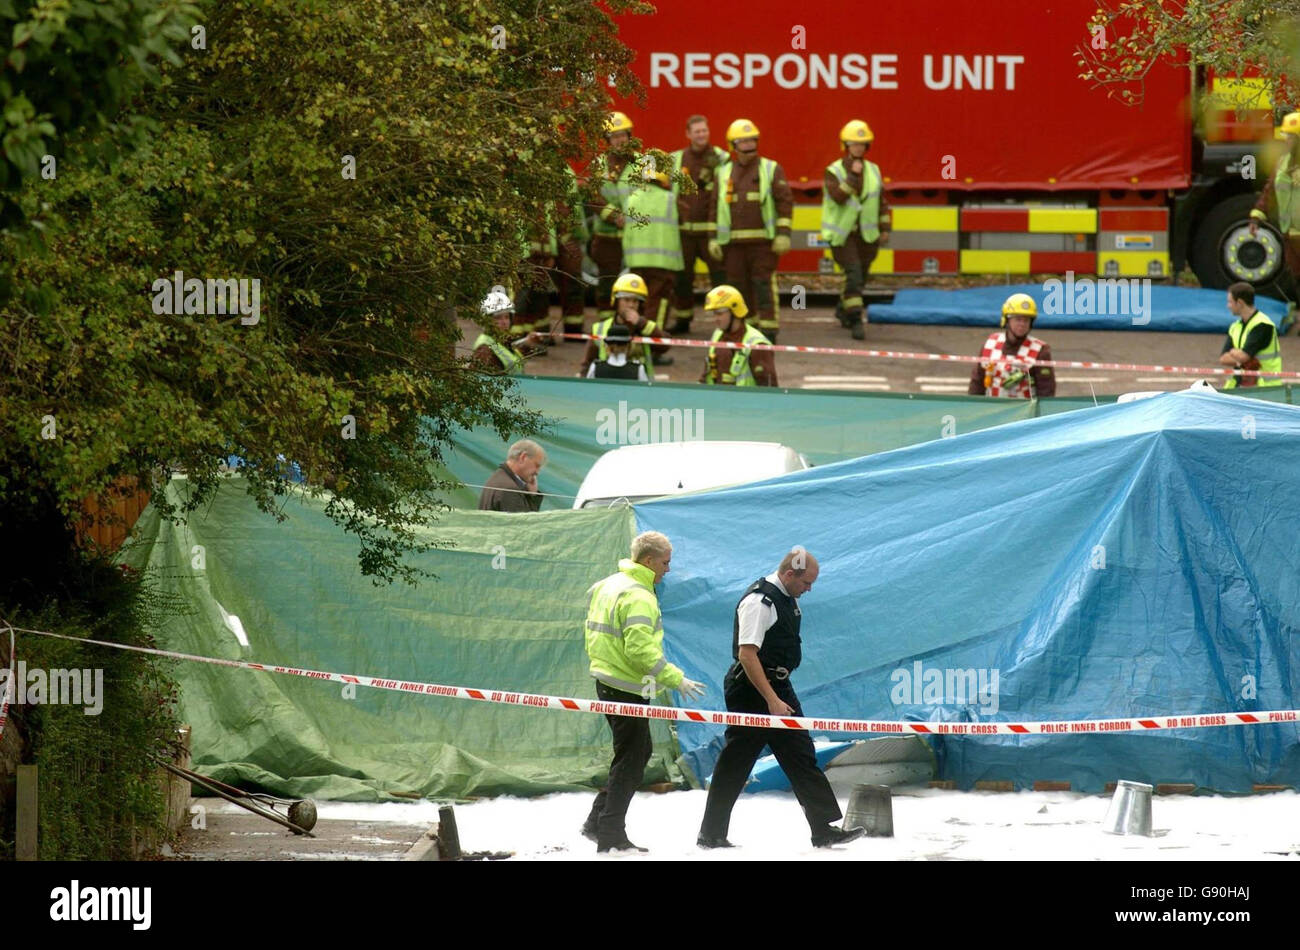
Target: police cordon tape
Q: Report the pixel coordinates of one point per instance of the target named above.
(948, 357)
(724, 718)
(9, 685)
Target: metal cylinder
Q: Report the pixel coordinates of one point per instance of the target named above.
(871, 809)
(1130, 810)
(303, 814)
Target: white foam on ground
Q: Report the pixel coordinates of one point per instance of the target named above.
(929, 824)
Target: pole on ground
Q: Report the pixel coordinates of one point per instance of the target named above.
(448, 836)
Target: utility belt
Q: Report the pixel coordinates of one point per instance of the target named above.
(777, 673)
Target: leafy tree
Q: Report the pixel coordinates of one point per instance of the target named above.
(1256, 38)
(70, 64)
(372, 164)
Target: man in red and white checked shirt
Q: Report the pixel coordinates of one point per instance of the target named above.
(1024, 378)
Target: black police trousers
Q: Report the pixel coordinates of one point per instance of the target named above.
(793, 750)
(631, 753)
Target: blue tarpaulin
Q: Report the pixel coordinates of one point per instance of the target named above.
(1127, 560)
(1076, 304)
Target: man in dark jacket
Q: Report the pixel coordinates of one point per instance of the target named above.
(766, 645)
(513, 486)
(618, 340)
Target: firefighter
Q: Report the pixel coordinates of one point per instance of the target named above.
(1280, 200)
(491, 354)
(855, 219)
(753, 209)
(618, 340)
(695, 218)
(989, 377)
(611, 173)
(629, 296)
(569, 283)
(535, 280)
(738, 367)
(652, 246)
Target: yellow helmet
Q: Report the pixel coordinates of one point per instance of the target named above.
(629, 285)
(741, 129)
(856, 131)
(1019, 305)
(617, 122)
(724, 296)
(1290, 124)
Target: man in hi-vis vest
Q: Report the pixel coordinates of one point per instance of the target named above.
(855, 219)
(652, 246)
(743, 366)
(1252, 341)
(610, 175)
(490, 353)
(1280, 200)
(696, 215)
(625, 641)
(992, 376)
(753, 224)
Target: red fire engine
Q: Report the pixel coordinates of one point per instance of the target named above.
(997, 158)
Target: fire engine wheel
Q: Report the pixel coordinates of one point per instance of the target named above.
(1224, 251)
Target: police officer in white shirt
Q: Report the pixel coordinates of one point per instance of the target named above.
(766, 645)
(617, 365)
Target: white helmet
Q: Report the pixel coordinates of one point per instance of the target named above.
(495, 302)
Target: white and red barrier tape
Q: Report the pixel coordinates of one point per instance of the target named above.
(723, 718)
(950, 358)
(8, 687)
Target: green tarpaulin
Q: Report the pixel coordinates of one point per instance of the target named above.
(589, 417)
(505, 613)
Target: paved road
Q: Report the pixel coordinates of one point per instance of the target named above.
(816, 326)
(230, 833)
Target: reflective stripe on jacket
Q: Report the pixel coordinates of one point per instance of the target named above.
(601, 329)
(511, 361)
(657, 242)
(615, 191)
(739, 372)
(1270, 358)
(625, 632)
(720, 159)
(766, 172)
(1286, 192)
(862, 209)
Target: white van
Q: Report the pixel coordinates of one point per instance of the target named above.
(640, 472)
